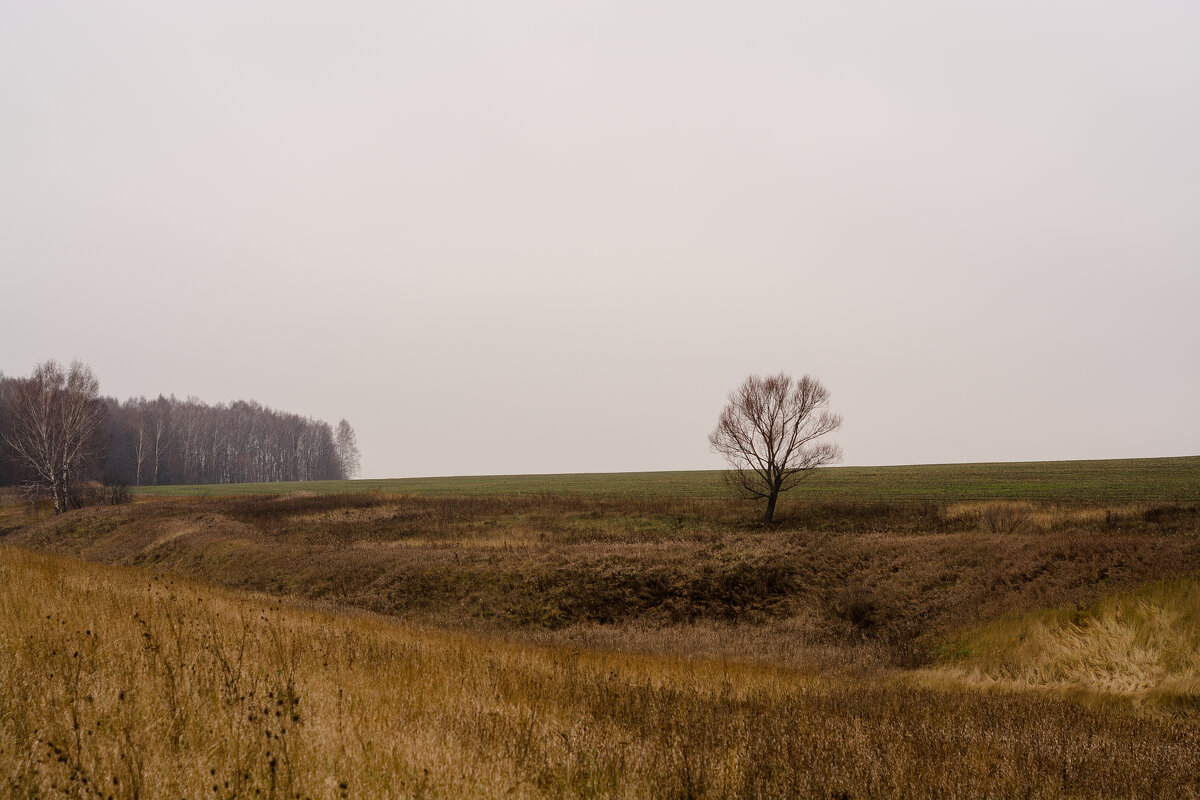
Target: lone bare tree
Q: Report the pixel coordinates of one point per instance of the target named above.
(767, 434)
(54, 425)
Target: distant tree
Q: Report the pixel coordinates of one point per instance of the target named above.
(141, 442)
(8, 469)
(168, 440)
(767, 433)
(346, 445)
(53, 427)
(161, 432)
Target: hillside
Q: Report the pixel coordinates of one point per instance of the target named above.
(1143, 644)
(124, 685)
(885, 580)
(961, 631)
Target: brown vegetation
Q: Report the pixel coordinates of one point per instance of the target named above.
(1143, 644)
(887, 580)
(121, 685)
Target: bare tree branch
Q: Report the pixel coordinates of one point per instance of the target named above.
(767, 431)
(346, 446)
(56, 418)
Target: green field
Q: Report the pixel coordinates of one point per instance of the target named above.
(1130, 480)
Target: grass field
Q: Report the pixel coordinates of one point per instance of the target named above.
(1151, 479)
(959, 631)
(119, 684)
(883, 580)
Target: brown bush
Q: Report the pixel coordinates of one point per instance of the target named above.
(857, 606)
(1006, 518)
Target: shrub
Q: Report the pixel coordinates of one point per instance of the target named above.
(857, 606)
(116, 492)
(1006, 518)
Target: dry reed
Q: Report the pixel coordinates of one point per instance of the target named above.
(120, 684)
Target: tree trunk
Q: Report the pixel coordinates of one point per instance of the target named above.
(60, 501)
(64, 489)
(139, 453)
(770, 515)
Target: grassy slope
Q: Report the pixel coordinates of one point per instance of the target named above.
(1151, 479)
(117, 684)
(1143, 643)
(886, 580)
(868, 568)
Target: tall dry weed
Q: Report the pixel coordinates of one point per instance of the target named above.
(125, 685)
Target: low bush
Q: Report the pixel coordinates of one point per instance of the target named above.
(1006, 518)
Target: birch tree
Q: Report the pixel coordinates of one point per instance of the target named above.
(160, 433)
(140, 442)
(346, 446)
(55, 418)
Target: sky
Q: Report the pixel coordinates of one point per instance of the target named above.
(530, 237)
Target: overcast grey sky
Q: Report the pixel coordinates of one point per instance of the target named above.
(551, 236)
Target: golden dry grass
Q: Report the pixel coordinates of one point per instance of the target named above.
(1143, 644)
(116, 683)
(1046, 516)
(835, 586)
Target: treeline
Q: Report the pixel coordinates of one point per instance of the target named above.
(168, 441)
(57, 431)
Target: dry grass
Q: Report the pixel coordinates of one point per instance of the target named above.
(991, 515)
(1144, 644)
(119, 684)
(884, 581)
(591, 646)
